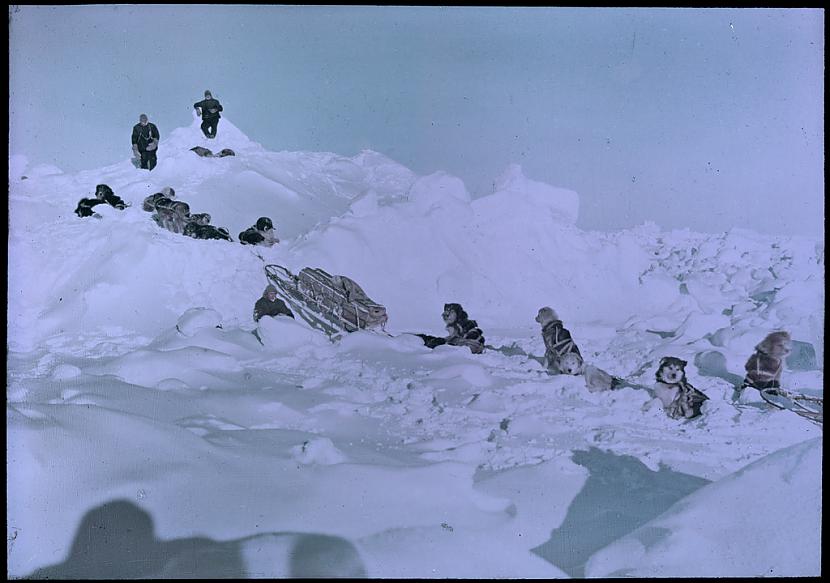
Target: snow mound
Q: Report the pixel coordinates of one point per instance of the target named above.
(319, 451)
(413, 243)
(65, 371)
(284, 334)
(436, 191)
(196, 319)
(514, 186)
(714, 531)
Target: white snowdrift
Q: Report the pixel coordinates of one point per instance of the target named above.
(135, 373)
(761, 521)
(412, 243)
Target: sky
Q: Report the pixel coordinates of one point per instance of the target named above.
(700, 118)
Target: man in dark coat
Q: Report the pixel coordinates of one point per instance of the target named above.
(270, 305)
(145, 142)
(209, 109)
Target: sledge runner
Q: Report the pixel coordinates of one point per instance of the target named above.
(145, 140)
(103, 195)
(808, 406)
(270, 305)
(557, 338)
(209, 109)
(262, 233)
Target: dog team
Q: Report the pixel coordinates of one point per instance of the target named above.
(677, 396)
(175, 216)
(679, 399)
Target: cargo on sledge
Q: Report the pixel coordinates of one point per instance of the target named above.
(330, 303)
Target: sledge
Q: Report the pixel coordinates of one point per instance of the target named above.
(316, 298)
(811, 408)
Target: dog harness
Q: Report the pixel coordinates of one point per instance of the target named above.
(563, 346)
(759, 374)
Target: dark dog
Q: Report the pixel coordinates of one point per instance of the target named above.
(152, 202)
(200, 218)
(677, 395)
(173, 218)
(103, 195)
(203, 152)
(262, 233)
(197, 231)
(462, 331)
(207, 153)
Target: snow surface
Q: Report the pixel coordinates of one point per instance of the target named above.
(138, 397)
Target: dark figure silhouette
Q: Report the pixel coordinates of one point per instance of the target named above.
(117, 541)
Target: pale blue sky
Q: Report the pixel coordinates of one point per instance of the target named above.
(699, 118)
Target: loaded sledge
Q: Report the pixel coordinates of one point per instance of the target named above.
(330, 303)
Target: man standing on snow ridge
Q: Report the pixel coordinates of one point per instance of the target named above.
(145, 142)
(209, 109)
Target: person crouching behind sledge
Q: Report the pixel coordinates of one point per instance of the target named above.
(764, 367)
(558, 341)
(262, 233)
(270, 305)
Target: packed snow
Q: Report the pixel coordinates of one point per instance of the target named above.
(140, 401)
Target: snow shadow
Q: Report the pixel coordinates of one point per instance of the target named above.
(712, 363)
(116, 541)
(620, 495)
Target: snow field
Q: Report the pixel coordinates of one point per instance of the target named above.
(135, 375)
